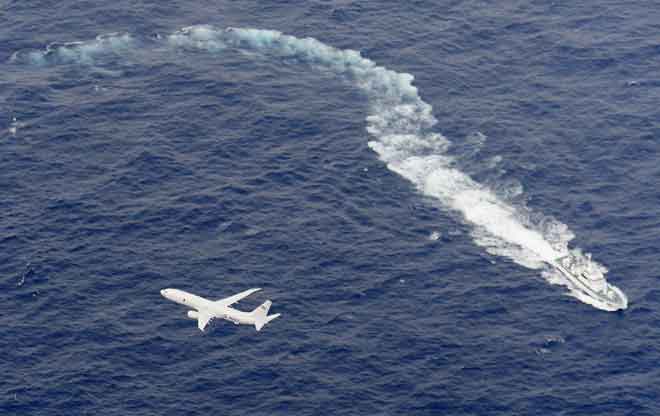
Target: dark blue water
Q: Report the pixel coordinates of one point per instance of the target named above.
(145, 165)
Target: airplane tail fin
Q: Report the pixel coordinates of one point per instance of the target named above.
(261, 316)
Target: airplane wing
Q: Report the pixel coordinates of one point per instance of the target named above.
(203, 319)
(233, 299)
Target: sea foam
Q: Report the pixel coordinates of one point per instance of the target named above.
(76, 52)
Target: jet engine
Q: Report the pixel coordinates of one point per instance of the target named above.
(193, 314)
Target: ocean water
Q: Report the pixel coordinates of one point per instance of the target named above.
(394, 176)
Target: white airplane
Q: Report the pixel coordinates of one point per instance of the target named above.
(205, 309)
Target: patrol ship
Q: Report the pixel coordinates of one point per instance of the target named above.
(590, 283)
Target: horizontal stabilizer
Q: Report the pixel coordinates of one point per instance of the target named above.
(261, 316)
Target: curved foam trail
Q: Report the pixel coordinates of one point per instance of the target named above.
(400, 123)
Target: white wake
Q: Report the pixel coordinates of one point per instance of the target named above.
(399, 123)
